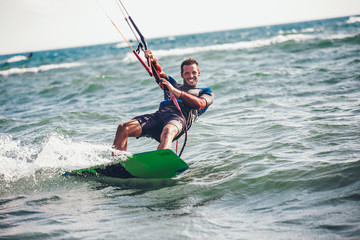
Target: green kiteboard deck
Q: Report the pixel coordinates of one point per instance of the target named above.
(154, 164)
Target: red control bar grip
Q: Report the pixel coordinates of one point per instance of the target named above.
(148, 69)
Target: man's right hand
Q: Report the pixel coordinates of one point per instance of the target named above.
(149, 54)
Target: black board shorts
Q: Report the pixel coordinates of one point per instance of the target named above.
(153, 124)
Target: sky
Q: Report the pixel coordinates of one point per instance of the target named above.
(35, 25)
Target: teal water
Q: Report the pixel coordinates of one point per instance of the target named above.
(277, 156)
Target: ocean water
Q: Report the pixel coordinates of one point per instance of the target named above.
(277, 156)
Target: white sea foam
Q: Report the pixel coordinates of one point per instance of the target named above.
(57, 152)
(121, 45)
(16, 59)
(42, 68)
(294, 31)
(227, 46)
(310, 30)
(353, 19)
(296, 37)
(341, 36)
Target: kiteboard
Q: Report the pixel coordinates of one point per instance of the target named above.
(154, 164)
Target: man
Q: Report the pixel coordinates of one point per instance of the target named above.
(168, 124)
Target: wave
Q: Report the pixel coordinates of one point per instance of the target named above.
(17, 59)
(121, 45)
(57, 152)
(42, 68)
(282, 37)
(294, 31)
(353, 19)
(227, 46)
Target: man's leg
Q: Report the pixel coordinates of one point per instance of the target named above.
(167, 136)
(131, 128)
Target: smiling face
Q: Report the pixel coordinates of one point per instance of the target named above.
(190, 75)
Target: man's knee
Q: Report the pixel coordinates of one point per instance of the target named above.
(123, 128)
(170, 130)
(131, 128)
